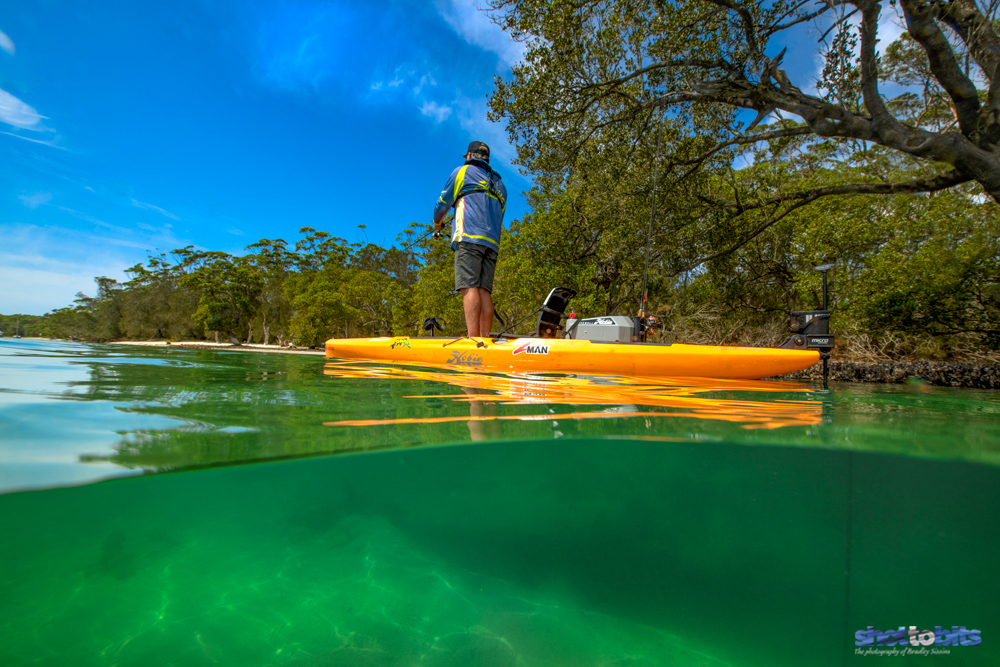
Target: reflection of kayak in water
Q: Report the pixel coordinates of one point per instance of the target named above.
(617, 396)
(579, 356)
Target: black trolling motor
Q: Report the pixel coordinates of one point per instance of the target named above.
(810, 329)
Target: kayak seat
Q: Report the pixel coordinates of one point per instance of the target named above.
(553, 311)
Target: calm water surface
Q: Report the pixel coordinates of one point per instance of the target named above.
(417, 516)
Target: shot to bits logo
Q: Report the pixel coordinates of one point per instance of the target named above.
(910, 636)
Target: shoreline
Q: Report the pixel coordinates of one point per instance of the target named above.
(208, 345)
(936, 373)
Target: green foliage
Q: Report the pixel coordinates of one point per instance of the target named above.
(433, 294)
(929, 265)
(274, 263)
(156, 304)
(26, 326)
(230, 290)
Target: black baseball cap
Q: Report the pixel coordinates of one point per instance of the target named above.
(480, 148)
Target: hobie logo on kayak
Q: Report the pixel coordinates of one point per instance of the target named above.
(465, 359)
(531, 347)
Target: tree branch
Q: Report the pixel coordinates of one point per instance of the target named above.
(869, 66)
(964, 17)
(704, 63)
(830, 120)
(752, 139)
(778, 27)
(749, 30)
(800, 199)
(836, 23)
(932, 184)
(945, 68)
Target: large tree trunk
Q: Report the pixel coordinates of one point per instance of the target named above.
(267, 330)
(233, 339)
(216, 337)
(249, 332)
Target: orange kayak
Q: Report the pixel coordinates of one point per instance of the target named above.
(559, 355)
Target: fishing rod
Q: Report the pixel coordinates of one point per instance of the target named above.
(652, 213)
(436, 235)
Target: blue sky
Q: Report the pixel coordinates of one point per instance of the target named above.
(128, 127)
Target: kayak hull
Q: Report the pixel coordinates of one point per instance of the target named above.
(578, 356)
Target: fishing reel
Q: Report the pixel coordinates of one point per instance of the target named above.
(438, 230)
(643, 327)
(652, 325)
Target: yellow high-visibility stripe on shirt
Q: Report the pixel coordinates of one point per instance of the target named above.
(485, 238)
(459, 181)
(486, 190)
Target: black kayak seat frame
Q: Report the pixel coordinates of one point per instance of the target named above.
(552, 312)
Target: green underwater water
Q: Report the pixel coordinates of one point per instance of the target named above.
(617, 541)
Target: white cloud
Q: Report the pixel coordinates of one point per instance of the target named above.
(36, 200)
(36, 141)
(476, 28)
(157, 209)
(471, 114)
(891, 27)
(235, 232)
(398, 78)
(88, 218)
(165, 229)
(15, 112)
(38, 291)
(425, 79)
(438, 112)
(160, 237)
(6, 43)
(43, 269)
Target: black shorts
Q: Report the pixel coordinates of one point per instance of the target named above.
(474, 266)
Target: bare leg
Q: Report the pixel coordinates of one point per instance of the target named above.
(482, 429)
(485, 312)
(472, 305)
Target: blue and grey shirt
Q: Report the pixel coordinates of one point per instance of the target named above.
(479, 198)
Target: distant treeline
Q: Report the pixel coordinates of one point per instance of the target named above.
(21, 325)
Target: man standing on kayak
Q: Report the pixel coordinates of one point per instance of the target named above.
(479, 198)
